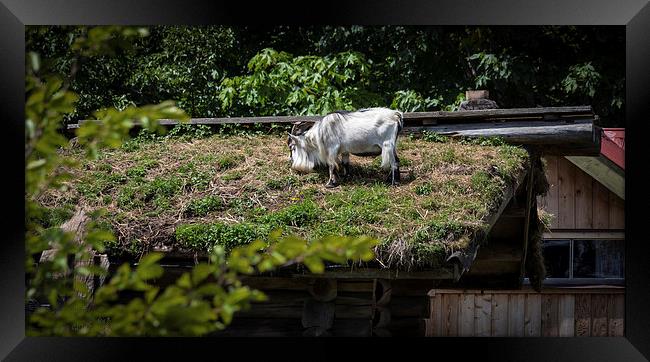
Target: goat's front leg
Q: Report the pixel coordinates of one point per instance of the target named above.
(333, 181)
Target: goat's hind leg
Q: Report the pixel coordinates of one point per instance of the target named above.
(345, 161)
(391, 162)
(395, 169)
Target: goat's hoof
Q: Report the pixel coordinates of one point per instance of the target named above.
(330, 185)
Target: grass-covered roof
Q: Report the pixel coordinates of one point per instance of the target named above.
(187, 194)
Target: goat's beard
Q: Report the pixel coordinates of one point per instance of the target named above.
(303, 161)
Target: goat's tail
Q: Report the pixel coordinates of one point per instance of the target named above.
(400, 121)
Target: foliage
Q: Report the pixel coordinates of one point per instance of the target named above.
(280, 83)
(201, 301)
(218, 71)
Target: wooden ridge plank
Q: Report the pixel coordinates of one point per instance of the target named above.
(548, 113)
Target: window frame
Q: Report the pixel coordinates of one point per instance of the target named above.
(572, 235)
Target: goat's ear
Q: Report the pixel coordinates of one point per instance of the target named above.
(295, 138)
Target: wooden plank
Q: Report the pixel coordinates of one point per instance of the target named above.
(551, 139)
(601, 206)
(614, 235)
(353, 308)
(566, 197)
(566, 315)
(450, 314)
(466, 315)
(271, 283)
(516, 309)
(375, 273)
(533, 315)
(499, 317)
(583, 200)
(355, 286)
(616, 212)
(583, 315)
(615, 315)
(527, 289)
(435, 319)
(482, 315)
(599, 315)
(503, 112)
(551, 200)
(550, 325)
(510, 113)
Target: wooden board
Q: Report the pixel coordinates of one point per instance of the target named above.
(583, 200)
(499, 320)
(583, 316)
(615, 315)
(516, 309)
(466, 315)
(435, 320)
(482, 315)
(616, 212)
(532, 315)
(599, 316)
(566, 315)
(450, 314)
(600, 206)
(550, 326)
(566, 197)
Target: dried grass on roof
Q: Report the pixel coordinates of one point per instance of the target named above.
(170, 194)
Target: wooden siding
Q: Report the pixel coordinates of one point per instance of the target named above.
(556, 312)
(578, 201)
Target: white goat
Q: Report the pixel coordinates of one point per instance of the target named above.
(366, 132)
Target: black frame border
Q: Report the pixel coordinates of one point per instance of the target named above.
(633, 14)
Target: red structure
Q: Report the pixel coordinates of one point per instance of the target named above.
(612, 145)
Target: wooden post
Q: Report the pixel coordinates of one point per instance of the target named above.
(381, 297)
(77, 225)
(316, 314)
(323, 290)
(529, 205)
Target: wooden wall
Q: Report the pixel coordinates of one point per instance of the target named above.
(559, 312)
(577, 200)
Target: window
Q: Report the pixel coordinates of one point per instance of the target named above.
(588, 260)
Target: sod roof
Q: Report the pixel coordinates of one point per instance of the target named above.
(178, 194)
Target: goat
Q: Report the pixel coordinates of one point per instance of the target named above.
(366, 132)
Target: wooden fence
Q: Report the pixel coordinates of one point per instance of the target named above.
(555, 312)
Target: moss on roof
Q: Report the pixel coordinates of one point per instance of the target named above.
(190, 194)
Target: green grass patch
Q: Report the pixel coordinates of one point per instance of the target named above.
(203, 206)
(205, 236)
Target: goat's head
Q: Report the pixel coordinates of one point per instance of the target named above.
(301, 159)
(298, 129)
